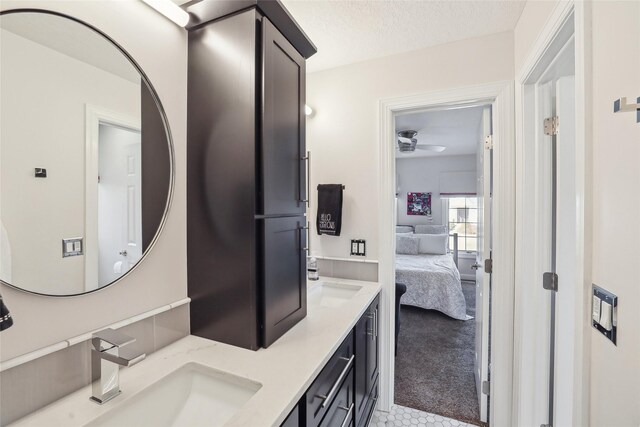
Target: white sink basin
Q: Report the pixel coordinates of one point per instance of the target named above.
(329, 294)
(192, 395)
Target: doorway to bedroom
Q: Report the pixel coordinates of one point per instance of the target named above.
(443, 237)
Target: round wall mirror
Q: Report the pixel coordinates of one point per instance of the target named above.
(86, 161)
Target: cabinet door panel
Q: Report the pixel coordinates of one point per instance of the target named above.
(293, 420)
(361, 347)
(372, 345)
(284, 287)
(283, 173)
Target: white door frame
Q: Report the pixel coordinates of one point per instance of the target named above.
(94, 116)
(574, 401)
(502, 96)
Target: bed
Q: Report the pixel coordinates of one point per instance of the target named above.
(433, 282)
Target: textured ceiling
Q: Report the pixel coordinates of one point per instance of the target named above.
(352, 31)
(457, 129)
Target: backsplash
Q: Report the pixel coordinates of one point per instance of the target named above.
(344, 269)
(35, 384)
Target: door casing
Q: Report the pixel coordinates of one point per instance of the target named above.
(501, 94)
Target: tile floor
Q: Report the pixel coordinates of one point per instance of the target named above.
(403, 416)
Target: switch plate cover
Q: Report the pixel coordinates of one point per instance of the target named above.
(607, 326)
(72, 247)
(358, 247)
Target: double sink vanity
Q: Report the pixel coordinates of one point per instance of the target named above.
(322, 372)
(265, 348)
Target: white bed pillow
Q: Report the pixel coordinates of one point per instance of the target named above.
(435, 244)
(407, 244)
(430, 229)
(404, 229)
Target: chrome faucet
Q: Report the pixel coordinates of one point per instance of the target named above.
(110, 351)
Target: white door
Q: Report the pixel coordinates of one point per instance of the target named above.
(553, 246)
(119, 202)
(133, 220)
(483, 279)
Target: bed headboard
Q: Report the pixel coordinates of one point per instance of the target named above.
(431, 229)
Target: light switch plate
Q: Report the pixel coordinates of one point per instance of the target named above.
(72, 247)
(608, 325)
(358, 247)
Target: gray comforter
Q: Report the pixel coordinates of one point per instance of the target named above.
(433, 282)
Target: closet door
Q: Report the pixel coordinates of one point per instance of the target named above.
(284, 285)
(283, 190)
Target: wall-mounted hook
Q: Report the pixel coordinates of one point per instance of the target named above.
(620, 105)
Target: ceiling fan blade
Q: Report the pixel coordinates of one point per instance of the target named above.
(431, 147)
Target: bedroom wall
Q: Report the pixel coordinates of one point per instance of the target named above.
(343, 131)
(423, 175)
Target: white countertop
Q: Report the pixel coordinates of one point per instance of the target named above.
(286, 369)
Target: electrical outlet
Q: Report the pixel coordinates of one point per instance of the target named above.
(358, 247)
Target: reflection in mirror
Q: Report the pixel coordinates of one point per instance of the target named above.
(85, 157)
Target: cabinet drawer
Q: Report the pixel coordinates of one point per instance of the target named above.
(327, 385)
(341, 412)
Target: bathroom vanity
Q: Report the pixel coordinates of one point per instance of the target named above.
(323, 372)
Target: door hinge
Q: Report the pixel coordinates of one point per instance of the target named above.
(485, 387)
(551, 125)
(488, 266)
(550, 281)
(488, 142)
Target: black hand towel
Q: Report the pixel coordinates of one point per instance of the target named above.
(329, 218)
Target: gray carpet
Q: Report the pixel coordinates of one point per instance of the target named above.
(434, 365)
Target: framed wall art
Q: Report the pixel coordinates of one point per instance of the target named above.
(418, 203)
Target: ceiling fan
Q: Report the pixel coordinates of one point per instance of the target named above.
(407, 143)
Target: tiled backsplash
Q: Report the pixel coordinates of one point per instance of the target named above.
(355, 270)
(33, 385)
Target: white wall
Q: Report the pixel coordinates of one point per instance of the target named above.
(534, 15)
(160, 47)
(423, 175)
(43, 125)
(615, 179)
(615, 370)
(343, 131)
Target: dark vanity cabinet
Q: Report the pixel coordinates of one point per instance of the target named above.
(246, 178)
(367, 363)
(345, 392)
